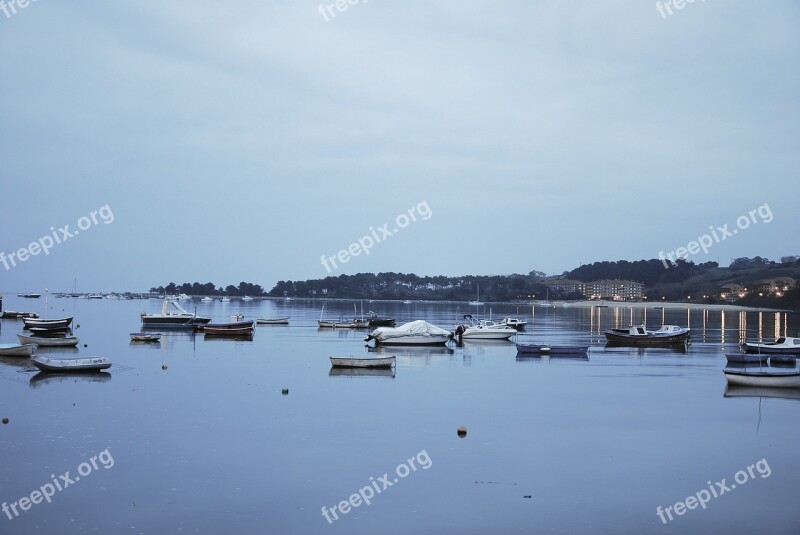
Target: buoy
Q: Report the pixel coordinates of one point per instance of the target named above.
(462, 431)
(84, 345)
(5, 420)
(285, 391)
(163, 366)
(78, 326)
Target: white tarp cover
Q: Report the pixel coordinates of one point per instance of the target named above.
(412, 328)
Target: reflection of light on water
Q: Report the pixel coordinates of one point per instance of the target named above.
(742, 326)
(722, 326)
(760, 326)
(777, 325)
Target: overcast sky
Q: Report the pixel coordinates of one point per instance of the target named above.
(244, 140)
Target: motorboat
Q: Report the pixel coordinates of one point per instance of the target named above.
(17, 350)
(82, 364)
(473, 329)
(247, 298)
(514, 323)
(418, 332)
(376, 321)
(549, 349)
(763, 378)
(225, 300)
(167, 318)
(95, 296)
(51, 324)
(47, 341)
(640, 335)
(786, 346)
(207, 299)
(145, 337)
(30, 296)
(352, 362)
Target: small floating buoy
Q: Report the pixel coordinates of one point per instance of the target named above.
(5, 420)
(285, 391)
(85, 345)
(78, 326)
(163, 366)
(462, 431)
(527, 496)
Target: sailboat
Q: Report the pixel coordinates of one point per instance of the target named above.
(477, 301)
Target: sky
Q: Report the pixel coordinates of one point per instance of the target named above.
(245, 140)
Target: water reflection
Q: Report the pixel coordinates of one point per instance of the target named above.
(761, 392)
(361, 372)
(43, 378)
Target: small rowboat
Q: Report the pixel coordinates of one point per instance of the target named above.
(49, 331)
(273, 321)
(145, 337)
(745, 358)
(352, 362)
(238, 328)
(17, 350)
(785, 346)
(53, 324)
(47, 341)
(85, 364)
(765, 378)
(541, 349)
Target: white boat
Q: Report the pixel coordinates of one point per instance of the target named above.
(47, 341)
(17, 350)
(418, 332)
(54, 323)
(764, 378)
(785, 346)
(273, 321)
(483, 330)
(352, 362)
(145, 337)
(167, 318)
(247, 298)
(514, 323)
(207, 299)
(84, 364)
(225, 300)
(640, 335)
(95, 296)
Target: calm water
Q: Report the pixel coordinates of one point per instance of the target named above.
(211, 445)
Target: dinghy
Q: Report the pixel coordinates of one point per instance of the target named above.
(786, 346)
(273, 321)
(763, 378)
(48, 341)
(353, 362)
(17, 350)
(84, 364)
(145, 337)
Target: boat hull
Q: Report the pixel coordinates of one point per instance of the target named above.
(44, 341)
(350, 362)
(17, 350)
(272, 321)
(78, 365)
(414, 340)
(763, 379)
(645, 339)
(62, 323)
(745, 358)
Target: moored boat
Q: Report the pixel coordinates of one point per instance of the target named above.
(786, 346)
(17, 350)
(168, 318)
(763, 378)
(273, 321)
(49, 331)
(418, 332)
(483, 330)
(352, 362)
(545, 349)
(237, 328)
(375, 321)
(47, 341)
(13, 315)
(52, 324)
(514, 323)
(83, 364)
(640, 335)
(145, 337)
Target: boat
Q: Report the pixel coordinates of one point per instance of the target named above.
(207, 299)
(745, 358)
(352, 362)
(640, 335)
(237, 328)
(17, 350)
(51, 324)
(407, 302)
(145, 337)
(477, 301)
(82, 364)
(273, 321)
(225, 300)
(167, 318)
(237, 317)
(483, 330)
(48, 341)
(12, 315)
(545, 349)
(418, 332)
(247, 298)
(786, 346)
(374, 320)
(514, 323)
(782, 360)
(95, 296)
(763, 378)
(30, 296)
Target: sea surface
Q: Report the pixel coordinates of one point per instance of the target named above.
(223, 436)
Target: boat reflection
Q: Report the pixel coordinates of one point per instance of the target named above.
(361, 372)
(42, 378)
(761, 392)
(545, 358)
(677, 347)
